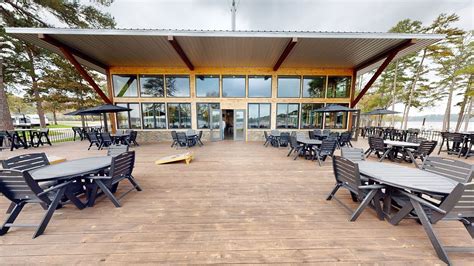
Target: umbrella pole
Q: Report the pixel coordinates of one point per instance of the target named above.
(105, 123)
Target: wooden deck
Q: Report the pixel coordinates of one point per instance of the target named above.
(235, 203)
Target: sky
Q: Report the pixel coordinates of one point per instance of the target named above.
(301, 15)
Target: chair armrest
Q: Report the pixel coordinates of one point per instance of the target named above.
(424, 202)
(375, 186)
(96, 177)
(54, 188)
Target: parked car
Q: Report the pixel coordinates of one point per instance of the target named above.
(27, 120)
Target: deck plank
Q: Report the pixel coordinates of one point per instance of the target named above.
(235, 203)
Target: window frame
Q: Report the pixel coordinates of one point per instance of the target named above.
(288, 77)
(129, 121)
(177, 75)
(151, 75)
(348, 90)
(179, 122)
(137, 89)
(335, 115)
(209, 112)
(143, 117)
(286, 116)
(323, 115)
(259, 76)
(303, 83)
(234, 76)
(259, 118)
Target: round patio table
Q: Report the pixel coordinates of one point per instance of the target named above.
(399, 147)
(71, 169)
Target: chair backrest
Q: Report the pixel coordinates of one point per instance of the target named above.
(376, 143)
(458, 204)
(284, 138)
(293, 142)
(133, 135)
(346, 136)
(427, 147)
(328, 146)
(105, 137)
(457, 170)
(353, 154)
(181, 137)
(92, 136)
(455, 137)
(311, 135)
(347, 173)
(78, 130)
(122, 165)
(275, 132)
(301, 135)
(326, 132)
(26, 162)
(317, 132)
(173, 135)
(200, 134)
(18, 186)
(114, 150)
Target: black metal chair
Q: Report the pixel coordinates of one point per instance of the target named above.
(268, 138)
(422, 151)
(345, 139)
(15, 141)
(20, 188)
(453, 143)
(347, 176)
(295, 147)
(469, 144)
(327, 148)
(114, 150)
(93, 140)
(182, 140)
(175, 138)
(105, 140)
(78, 132)
(133, 138)
(120, 169)
(198, 139)
(459, 171)
(377, 145)
(353, 154)
(456, 206)
(284, 139)
(43, 136)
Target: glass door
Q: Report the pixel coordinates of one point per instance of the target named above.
(239, 124)
(216, 116)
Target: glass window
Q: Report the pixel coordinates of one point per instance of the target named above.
(259, 115)
(125, 85)
(131, 119)
(310, 118)
(336, 120)
(260, 86)
(152, 86)
(289, 87)
(207, 86)
(179, 115)
(153, 115)
(233, 86)
(313, 87)
(287, 115)
(339, 87)
(177, 86)
(203, 114)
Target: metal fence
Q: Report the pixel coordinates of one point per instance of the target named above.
(430, 135)
(57, 135)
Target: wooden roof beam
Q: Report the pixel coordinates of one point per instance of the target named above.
(385, 54)
(73, 51)
(69, 56)
(180, 52)
(285, 53)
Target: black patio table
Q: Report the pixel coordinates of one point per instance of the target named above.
(414, 180)
(309, 143)
(22, 132)
(120, 137)
(72, 169)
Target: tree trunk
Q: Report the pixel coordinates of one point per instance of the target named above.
(39, 103)
(412, 89)
(5, 116)
(447, 113)
(468, 114)
(462, 109)
(55, 120)
(392, 124)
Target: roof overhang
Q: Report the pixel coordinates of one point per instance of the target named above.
(102, 48)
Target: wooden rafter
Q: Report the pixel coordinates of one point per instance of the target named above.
(180, 52)
(285, 53)
(84, 73)
(389, 55)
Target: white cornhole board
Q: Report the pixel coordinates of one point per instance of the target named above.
(187, 157)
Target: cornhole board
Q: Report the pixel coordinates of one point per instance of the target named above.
(55, 159)
(187, 157)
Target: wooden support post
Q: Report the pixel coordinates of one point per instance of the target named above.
(180, 52)
(110, 90)
(285, 53)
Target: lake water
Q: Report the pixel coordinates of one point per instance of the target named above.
(435, 125)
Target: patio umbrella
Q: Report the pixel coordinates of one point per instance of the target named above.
(381, 112)
(335, 108)
(101, 109)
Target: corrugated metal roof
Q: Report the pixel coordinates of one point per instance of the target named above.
(149, 47)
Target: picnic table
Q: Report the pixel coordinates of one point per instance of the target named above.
(22, 134)
(397, 147)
